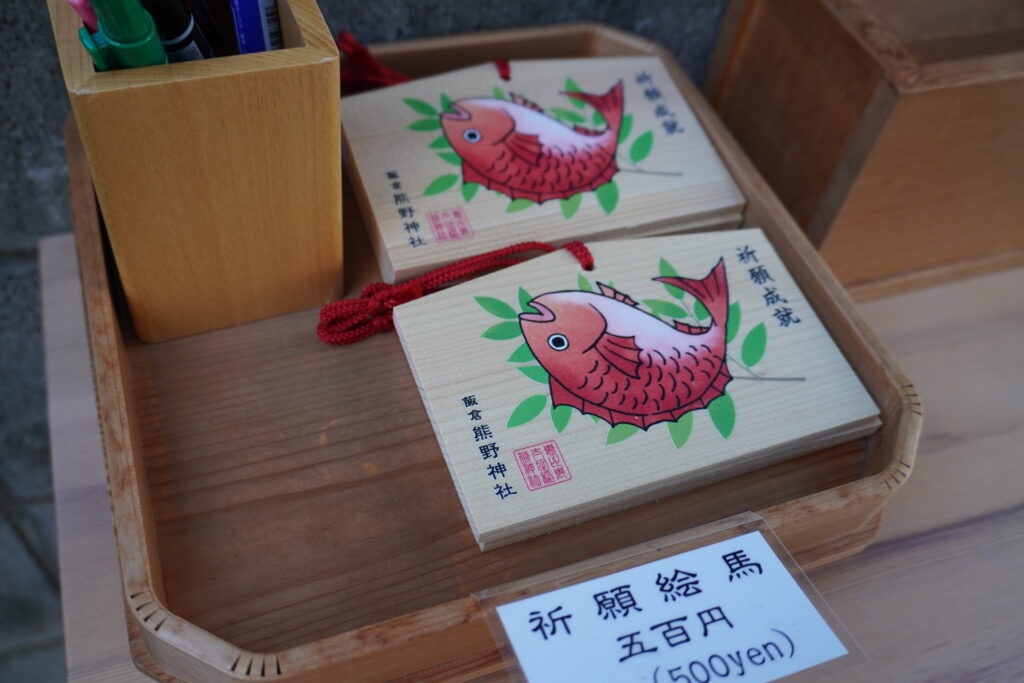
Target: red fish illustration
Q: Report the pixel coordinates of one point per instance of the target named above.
(607, 357)
(514, 147)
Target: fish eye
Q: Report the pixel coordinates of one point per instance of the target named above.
(558, 342)
(471, 135)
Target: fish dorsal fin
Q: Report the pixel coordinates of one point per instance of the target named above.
(612, 293)
(526, 147)
(621, 352)
(690, 329)
(520, 100)
(587, 131)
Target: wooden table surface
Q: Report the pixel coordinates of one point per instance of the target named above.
(939, 595)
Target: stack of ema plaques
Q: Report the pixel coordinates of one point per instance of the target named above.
(559, 394)
(462, 163)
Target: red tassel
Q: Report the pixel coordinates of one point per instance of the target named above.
(504, 70)
(361, 70)
(351, 320)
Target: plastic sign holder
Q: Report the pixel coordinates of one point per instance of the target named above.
(724, 601)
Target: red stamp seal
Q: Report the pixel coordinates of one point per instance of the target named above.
(542, 465)
(450, 225)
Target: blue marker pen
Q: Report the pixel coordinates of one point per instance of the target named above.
(257, 26)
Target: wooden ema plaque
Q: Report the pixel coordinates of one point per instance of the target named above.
(559, 394)
(466, 162)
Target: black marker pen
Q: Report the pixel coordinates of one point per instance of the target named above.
(182, 39)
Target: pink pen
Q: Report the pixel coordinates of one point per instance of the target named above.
(85, 11)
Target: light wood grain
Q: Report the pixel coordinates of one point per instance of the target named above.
(219, 179)
(938, 596)
(278, 480)
(766, 95)
(95, 636)
(907, 172)
(969, 376)
(681, 185)
(818, 401)
(941, 186)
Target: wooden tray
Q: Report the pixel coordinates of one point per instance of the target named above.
(282, 507)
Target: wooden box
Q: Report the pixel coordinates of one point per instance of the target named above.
(283, 509)
(220, 180)
(890, 130)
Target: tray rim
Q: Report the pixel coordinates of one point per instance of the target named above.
(454, 632)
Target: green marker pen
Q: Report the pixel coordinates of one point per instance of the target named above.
(127, 36)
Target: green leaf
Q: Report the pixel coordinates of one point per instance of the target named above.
(524, 301)
(496, 307)
(700, 311)
(446, 103)
(754, 343)
(560, 417)
(665, 269)
(425, 124)
(571, 205)
(469, 191)
(733, 325)
(608, 196)
(723, 414)
(441, 184)
(597, 118)
(666, 309)
(451, 157)
(527, 410)
(420, 107)
(571, 86)
(522, 354)
(505, 330)
(498, 93)
(535, 372)
(440, 143)
(641, 147)
(680, 429)
(519, 205)
(625, 128)
(567, 114)
(621, 433)
(583, 283)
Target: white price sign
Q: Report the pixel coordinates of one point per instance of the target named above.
(729, 611)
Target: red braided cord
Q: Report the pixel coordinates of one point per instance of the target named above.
(351, 320)
(361, 70)
(504, 70)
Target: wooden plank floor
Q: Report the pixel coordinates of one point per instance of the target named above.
(939, 596)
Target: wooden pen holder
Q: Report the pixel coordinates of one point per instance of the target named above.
(219, 180)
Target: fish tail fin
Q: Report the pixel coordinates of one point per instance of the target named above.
(609, 104)
(712, 291)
